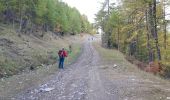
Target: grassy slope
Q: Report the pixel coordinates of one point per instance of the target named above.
(111, 56)
(150, 86)
(17, 54)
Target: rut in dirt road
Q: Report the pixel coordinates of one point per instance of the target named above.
(80, 81)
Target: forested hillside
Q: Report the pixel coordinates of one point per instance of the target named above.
(138, 28)
(29, 16)
(32, 31)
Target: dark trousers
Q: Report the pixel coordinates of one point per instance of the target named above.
(61, 63)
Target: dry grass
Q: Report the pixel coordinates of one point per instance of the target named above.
(24, 52)
(111, 57)
(127, 76)
(30, 51)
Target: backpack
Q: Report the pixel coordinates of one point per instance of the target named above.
(65, 53)
(62, 53)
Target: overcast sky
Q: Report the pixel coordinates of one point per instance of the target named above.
(87, 7)
(90, 7)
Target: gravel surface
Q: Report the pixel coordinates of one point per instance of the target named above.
(89, 79)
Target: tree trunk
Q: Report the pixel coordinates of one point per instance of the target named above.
(148, 28)
(155, 31)
(164, 24)
(20, 25)
(153, 27)
(108, 4)
(21, 17)
(118, 38)
(13, 24)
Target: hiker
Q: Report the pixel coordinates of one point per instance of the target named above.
(62, 54)
(70, 48)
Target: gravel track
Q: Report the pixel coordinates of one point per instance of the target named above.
(88, 79)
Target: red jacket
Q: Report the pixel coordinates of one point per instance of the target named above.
(62, 53)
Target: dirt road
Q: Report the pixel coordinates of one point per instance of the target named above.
(90, 78)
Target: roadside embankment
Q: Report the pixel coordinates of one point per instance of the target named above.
(27, 60)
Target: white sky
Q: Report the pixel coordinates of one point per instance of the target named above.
(90, 7)
(87, 7)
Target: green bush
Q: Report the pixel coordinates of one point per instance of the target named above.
(8, 67)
